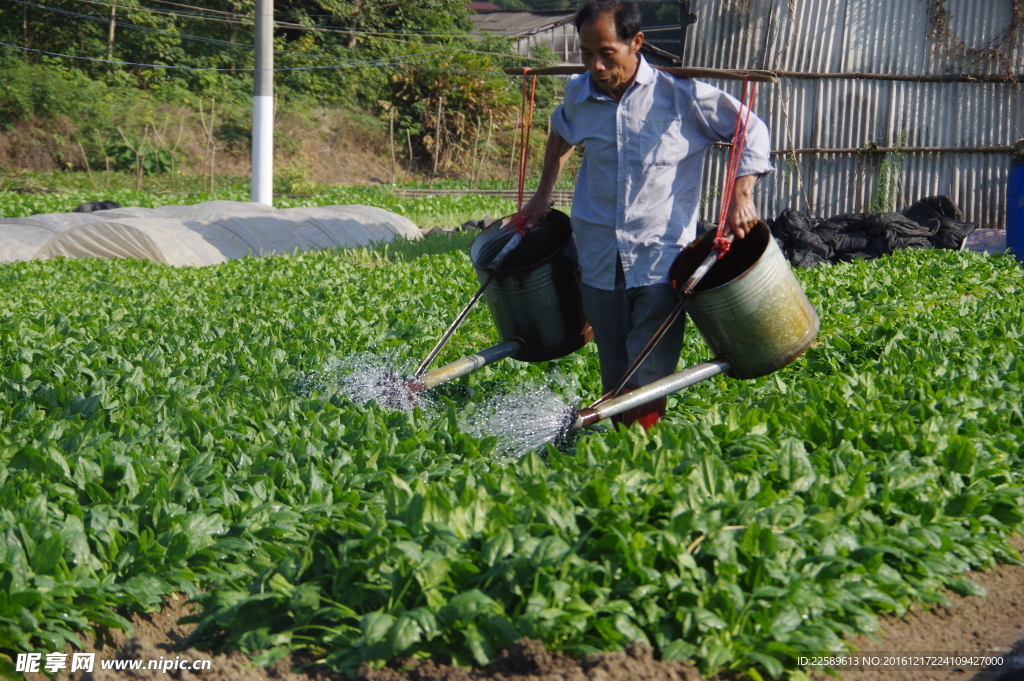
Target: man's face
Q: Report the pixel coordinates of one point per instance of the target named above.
(612, 62)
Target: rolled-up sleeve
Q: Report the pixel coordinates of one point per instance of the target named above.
(718, 110)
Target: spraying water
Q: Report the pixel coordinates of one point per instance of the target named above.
(365, 377)
(524, 420)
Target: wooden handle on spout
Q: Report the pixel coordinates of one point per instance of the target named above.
(677, 71)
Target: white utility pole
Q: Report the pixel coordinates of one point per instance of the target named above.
(263, 106)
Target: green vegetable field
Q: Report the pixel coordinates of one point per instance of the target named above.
(427, 211)
(153, 439)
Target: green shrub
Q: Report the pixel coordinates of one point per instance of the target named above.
(46, 91)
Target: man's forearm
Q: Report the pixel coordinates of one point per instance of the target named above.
(556, 153)
(744, 186)
(742, 212)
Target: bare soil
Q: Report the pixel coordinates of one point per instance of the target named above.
(968, 625)
(992, 626)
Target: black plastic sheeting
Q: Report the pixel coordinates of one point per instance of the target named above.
(93, 206)
(933, 222)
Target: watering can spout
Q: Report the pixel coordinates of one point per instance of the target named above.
(651, 391)
(466, 365)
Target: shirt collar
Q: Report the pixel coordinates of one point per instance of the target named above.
(644, 76)
(645, 73)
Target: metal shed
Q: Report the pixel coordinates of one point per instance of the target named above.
(882, 101)
(532, 28)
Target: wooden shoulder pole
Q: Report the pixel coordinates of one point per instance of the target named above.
(677, 71)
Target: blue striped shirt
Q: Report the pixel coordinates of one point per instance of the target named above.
(638, 188)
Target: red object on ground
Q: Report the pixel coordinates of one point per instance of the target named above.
(646, 414)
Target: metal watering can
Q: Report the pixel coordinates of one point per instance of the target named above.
(534, 297)
(749, 308)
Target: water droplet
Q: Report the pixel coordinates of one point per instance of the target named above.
(365, 377)
(524, 419)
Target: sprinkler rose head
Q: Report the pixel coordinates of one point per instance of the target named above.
(395, 392)
(525, 420)
(568, 423)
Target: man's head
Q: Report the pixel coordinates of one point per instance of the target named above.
(610, 37)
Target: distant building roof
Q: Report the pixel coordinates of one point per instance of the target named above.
(519, 22)
(482, 7)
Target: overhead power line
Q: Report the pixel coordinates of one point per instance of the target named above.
(385, 62)
(145, 29)
(322, 29)
(234, 18)
(202, 9)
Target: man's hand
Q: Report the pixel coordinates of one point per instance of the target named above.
(536, 209)
(742, 213)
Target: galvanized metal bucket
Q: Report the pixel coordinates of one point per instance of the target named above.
(535, 296)
(749, 307)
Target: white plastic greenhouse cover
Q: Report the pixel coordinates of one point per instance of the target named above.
(203, 234)
(21, 238)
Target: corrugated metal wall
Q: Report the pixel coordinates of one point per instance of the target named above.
(866, 36)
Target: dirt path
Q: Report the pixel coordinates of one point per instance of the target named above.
(992, 626)
(988, 626)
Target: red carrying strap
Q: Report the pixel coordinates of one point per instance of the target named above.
(739, 138)
(518, 223)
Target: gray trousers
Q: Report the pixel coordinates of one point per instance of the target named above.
(623, 321)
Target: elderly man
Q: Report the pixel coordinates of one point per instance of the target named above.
(635, 205)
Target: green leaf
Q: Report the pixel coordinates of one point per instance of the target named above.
(479, 647)
(787, 620)
(497, 547)
(596, 493)
(47, 554)
(774, 667)
(960, 455)
(794, 467)
(376, 626)
(708, 619)
(962, 504)
(533, 465)
(678, 650)
(8, 669)
(466, 607)
(966, 587)
(550, 551)
(405, 633)
(426, 620)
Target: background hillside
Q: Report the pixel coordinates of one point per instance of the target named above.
(163, 87)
